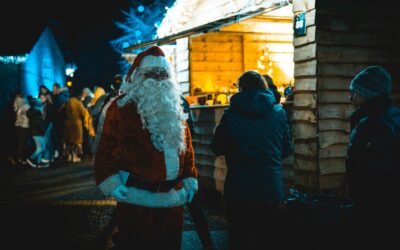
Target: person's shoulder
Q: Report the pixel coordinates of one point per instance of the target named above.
(278, 108)
(118, 105)
(115, 102)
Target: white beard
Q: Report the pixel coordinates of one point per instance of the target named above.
(158, 103)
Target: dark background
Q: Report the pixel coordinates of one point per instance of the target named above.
(83, 30)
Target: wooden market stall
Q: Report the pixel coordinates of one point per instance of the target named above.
(216, 41)
(209, 64)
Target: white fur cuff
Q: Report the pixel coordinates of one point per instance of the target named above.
(190, 184)
(108, 185)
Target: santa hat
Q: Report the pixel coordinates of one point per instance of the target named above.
(152, 57)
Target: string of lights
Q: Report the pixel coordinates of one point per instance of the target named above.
(13, 59)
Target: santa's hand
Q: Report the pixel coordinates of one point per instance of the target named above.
(190, 196)
(120, 192)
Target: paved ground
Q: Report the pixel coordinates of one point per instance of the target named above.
(61, 208)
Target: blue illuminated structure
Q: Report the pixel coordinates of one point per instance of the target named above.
(42, 64)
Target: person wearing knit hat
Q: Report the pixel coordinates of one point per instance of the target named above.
(371, 82)
(372, 165)
(145, 157)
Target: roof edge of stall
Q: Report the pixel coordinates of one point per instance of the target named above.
(209, 27)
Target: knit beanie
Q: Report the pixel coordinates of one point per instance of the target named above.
(371, 82)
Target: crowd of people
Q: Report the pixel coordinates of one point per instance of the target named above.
(57, 125)
(141, 136)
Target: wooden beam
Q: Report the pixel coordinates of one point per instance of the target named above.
(304, 179)
(340, 69)
(308, 68)
(334, 151)
(304, 130)
(307, 149)
(305, 115)
(332, 181)
(305, 100)
(329, 138)
(334, 124)
(343, 54)
(333, 96)
(332, 166)
(334, 82)
(335, 111)
(306, 84)
(310, 37)
(306, 52)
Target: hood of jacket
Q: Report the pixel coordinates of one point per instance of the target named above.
(255, 103)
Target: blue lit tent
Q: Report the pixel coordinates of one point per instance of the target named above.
(33, 60)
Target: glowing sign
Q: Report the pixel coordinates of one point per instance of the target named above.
(300, 24)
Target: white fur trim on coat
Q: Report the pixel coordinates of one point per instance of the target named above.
(141, 197)
(190, 184)
(154, 61)
(108, 185)
(171, 162)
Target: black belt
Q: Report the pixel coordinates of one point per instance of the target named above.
(155, 187)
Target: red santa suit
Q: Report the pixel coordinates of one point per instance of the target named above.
(158, 181)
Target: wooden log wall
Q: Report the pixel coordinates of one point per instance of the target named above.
(304, 115)
(270, 38)
(216, 60)
(219, 58)
(342, 38)
(349, 39)
(212, 169)
(182, 65)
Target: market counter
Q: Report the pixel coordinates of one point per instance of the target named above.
(212, 169)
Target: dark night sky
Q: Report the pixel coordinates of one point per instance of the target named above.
(82, 28)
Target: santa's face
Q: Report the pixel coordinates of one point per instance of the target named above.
(157, 98)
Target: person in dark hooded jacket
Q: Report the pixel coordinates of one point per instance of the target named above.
(373, 161)
(254, 137)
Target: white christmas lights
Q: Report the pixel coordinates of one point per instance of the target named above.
(13, 59)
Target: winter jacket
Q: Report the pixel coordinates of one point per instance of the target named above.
(373, 160)
(36, 122)
(61, 98)
(254, 137)
(73, 123)
(102, 116)
(49, 113)
(95, 110)
(21, 106)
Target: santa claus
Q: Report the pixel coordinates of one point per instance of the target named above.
(145, 157)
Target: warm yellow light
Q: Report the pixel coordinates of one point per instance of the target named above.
(222, 98)
(209, 87)
(69, 84)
